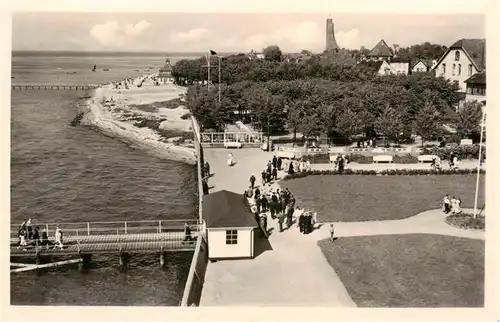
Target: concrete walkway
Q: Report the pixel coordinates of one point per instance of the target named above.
(427, 222)
(293, 273)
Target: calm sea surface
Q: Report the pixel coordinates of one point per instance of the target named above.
(61, 173)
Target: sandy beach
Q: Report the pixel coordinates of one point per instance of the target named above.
(134, 111)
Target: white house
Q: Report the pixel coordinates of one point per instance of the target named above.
(463, 59)
(400, 65)
(476, 88)
(422, 65)
(230, 225)
(381, 67)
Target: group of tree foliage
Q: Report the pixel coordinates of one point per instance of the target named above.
(325, 95)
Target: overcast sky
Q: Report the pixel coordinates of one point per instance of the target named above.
(188, 32)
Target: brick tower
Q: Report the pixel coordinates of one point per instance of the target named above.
(331, 44)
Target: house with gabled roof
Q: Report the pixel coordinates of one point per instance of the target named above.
(422, 65)
(230, 225)
(380, 67)
(462, 60)
(381, 51)
(476, 87)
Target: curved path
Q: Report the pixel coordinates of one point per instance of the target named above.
(294, 272)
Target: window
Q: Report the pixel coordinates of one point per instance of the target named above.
(459, 69)
(469, 90)
(457, 55)
(231, 237)
(470, 69)
(444, 68)
(453, 70)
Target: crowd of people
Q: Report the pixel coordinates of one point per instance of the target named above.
(452, 205)
(29, 235)
(278, 204)
(452, 162)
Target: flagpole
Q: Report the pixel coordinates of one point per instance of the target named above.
(208, 63)
(479, 163)
(220, 60)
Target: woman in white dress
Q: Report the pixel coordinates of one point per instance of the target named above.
(453, 204)
(58, 237)
(230, 159)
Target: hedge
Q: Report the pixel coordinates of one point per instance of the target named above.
(391, 172)
(461, 151)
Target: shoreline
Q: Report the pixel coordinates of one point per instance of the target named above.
(114, 109)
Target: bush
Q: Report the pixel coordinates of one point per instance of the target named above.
(405, 159)
(467, 221)
(461, 151)
(317, 158)
(186, 116)
(361, 159)
(392, 172)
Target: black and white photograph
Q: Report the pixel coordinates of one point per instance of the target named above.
(325, 159)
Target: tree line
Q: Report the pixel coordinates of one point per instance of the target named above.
(324, 95)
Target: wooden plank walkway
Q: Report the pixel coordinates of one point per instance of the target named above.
(110, 237)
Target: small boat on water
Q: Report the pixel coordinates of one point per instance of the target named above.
(106, 69)
(70, 72)
(93, 69)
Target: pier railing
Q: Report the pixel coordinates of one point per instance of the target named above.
(110, 227)
(214, 139)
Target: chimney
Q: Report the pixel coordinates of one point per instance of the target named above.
(331, 44)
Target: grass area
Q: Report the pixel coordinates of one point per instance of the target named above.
(467, 221)
(362, 198)
(416, 270)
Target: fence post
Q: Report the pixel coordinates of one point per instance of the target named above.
(125, 227)
(88, 229)
(47, 229)
(159, 226)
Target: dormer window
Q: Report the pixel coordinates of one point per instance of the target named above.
(457, 55)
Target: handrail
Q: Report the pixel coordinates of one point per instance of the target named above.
(113, 222)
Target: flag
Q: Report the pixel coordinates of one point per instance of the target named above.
(212, 52)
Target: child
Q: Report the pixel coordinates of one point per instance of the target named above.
(332, 232)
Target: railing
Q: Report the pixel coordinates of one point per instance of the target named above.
(196, 276)
(111, 227)
(54, 86)
(253, 138)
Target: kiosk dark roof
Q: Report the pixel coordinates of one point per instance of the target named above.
(226, 209)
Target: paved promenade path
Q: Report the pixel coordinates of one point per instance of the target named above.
(293, 273)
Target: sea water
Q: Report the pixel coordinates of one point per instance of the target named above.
(61, 173)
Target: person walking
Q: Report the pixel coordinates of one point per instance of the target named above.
(269, 166)
(36, 235)
(275, 161)
(29, 229)
(252, 181)
(332, 233)
(187, 233)
(264, 202)
(275, 174)
(446, 204)
(258, 203)
(281, 219)
(207, 169)
(279, 163)
(264, 177)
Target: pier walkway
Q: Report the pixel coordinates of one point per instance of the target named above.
(109, 237)
(65, 87)
(293, 273)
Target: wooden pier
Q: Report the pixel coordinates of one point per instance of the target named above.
(85, 239)
(52, 87)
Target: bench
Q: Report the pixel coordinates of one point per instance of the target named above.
(382, 158)
(233, 144)
(426, 158)
(337, 150)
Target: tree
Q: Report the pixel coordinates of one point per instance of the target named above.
(272, 53)
(390, 122)
(468, 118)
(428, 122)
(349, 124)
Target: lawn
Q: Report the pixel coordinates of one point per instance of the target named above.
(414, 270)
(362, 198)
